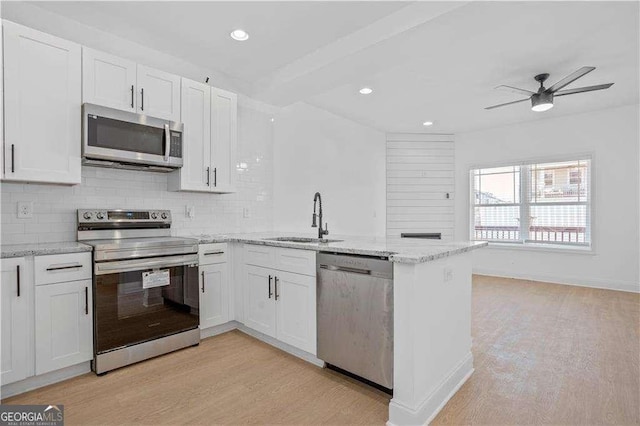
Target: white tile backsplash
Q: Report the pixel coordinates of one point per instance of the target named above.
(54, 207)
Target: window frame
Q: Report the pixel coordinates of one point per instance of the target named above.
(525, 204)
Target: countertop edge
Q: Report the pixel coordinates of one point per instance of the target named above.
(10, 251)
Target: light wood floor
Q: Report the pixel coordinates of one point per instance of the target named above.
(544, 354)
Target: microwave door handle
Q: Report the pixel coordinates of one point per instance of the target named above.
(167, 140)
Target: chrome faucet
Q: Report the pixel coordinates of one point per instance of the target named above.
(321, 232)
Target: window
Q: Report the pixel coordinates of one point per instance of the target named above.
(540, 203)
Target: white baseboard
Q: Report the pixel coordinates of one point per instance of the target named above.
(428, 409)
(35, 382)
(627, 286)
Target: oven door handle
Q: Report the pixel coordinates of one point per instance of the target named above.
(103, 268)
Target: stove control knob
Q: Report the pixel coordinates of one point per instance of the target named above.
(164, 215)
(154, 215)
(100, 215)
(87, 215)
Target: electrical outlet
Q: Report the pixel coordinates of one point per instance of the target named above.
(246, 213)
(190, 212)
(448, 274)
(25, 209)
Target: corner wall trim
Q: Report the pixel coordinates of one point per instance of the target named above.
(428, 409)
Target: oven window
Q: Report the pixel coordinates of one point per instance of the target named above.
(121, 135)
(127, 313)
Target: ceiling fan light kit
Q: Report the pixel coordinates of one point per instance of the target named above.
(542, 100)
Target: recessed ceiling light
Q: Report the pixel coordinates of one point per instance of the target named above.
(366, 91)
(427, 123)
(240, 35)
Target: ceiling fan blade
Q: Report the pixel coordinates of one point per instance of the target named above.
(570, 79)
(515, 90)
(508, 103)
(583, 89)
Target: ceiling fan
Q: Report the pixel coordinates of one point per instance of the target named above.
(542, 100)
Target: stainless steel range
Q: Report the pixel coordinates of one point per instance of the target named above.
(145, 286)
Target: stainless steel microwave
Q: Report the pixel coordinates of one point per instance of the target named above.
(121, 139)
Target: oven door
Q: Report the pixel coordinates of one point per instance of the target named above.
(137, 305)
(115, 135)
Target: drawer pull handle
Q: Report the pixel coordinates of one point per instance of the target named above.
(211, 253)
(61, 267)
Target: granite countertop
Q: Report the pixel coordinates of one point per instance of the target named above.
(401, 250)
(39, 249)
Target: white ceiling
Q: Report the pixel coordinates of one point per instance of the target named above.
(434, 61)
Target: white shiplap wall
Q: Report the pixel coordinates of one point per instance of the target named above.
(420, 174)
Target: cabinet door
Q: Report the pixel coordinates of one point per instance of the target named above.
(159, 93)
(64, 318)
(260, 307)
(214, 295)
(15, 320)
(108, 80)
(42, 85)
(195, 174)
(296, 310)
(224, 136)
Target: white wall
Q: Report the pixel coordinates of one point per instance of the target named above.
(612, 136)
(315, 150)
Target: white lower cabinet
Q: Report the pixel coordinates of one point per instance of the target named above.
(16, 330)
(64, 318)
(260, 307)
(282, 305)
(214, 295)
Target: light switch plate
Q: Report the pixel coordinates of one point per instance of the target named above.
(25, 209)
(190, 212)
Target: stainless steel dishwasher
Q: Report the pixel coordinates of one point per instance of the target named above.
(355, 315)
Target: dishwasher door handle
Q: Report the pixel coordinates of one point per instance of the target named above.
(346, 269)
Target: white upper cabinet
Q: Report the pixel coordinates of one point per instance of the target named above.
(224, 138)
(159, 93)
(108, 80)
(209, 151)
(195, 174)
(42, 102)
(15, 298)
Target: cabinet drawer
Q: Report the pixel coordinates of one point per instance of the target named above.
(259, 255)
(297, 261)
(212, 253)
(58, 268)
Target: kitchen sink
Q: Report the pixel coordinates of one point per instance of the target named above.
(302, 240)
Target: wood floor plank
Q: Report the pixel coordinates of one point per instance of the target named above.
(543, 354)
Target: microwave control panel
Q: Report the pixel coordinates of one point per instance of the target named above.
(175, 149)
